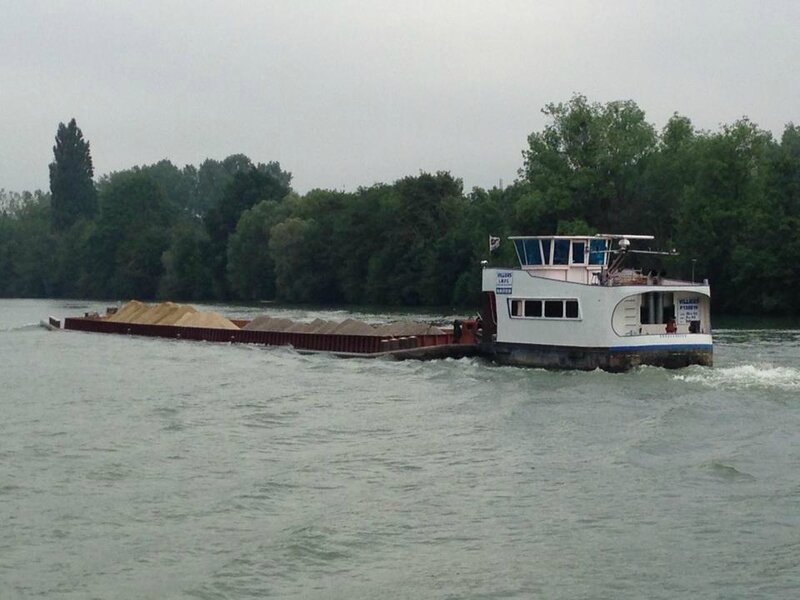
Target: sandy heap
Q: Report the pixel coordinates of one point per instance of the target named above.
(211, 320)
(354, 327)
(176, 314)
(129, 311)
(406, 328)
(266, 323)
(169, 313)
(346, 327)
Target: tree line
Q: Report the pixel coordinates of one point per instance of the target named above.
(728, 200)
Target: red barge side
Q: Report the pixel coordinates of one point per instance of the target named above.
(420, 347)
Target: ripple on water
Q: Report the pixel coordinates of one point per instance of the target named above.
(110, 473)
(313, 477)
(725, 472)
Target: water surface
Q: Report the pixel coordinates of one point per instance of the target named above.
(145, 468)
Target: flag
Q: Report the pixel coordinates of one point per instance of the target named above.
(494, 243)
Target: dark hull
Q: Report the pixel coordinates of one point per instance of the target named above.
(588, 359)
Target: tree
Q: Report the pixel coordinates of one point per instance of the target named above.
(179, 186)
(132, 233)
(290, 244)
(667, 175)
(251, 270)
(27, 249)
(71, 186)
(246, 189)
(721, 216)
(186, 272)
(587, 162)
(412, 217)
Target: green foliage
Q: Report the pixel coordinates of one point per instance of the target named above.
(132, 233)
(406, 268)
(292, 248)
(729, 200)
(187, 275)
(249, 186)
(587, 161)
(72, 275)
(251, 269)
(27, 249)
(722, 206)
(71, 185)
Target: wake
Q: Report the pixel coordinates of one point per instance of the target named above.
(746, 376)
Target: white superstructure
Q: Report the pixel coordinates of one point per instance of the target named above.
(571, 305)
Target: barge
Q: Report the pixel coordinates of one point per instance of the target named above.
(456, 342)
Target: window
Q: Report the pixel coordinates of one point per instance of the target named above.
(528, 251)
(519, 245)
(546, 308)
(546, 252)
(533, 308)
(571, 309)
(554, 309)
(532, 252)
(560, 252)
(578, 253)
(597, 252)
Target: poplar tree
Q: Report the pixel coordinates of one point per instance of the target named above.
(73, 195)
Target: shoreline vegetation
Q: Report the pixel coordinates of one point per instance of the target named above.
(235, 231)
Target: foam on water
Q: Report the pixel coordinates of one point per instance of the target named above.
(746, 376)
(26, 327)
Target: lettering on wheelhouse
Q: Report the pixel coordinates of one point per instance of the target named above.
(504, 283)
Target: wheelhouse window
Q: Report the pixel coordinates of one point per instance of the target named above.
(546, 251)
(560, 252)
(578, 253)
(533, 252)
(597, 254)
(529, 252)
(547, 308)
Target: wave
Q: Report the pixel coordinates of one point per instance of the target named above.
(26, 327)
(727, 472)
(746, 376)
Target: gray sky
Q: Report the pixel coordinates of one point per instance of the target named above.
(346, 93)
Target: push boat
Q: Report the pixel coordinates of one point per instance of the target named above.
(571, 304)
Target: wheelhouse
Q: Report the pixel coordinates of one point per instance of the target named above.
(567, 258)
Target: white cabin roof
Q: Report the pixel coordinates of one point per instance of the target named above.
(604, 236)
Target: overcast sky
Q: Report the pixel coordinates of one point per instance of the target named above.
(346, 93)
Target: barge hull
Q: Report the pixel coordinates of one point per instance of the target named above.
(589, 359)
(419, 347)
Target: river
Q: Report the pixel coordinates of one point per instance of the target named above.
(146, 468)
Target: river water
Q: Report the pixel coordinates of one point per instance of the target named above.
(145, 468)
